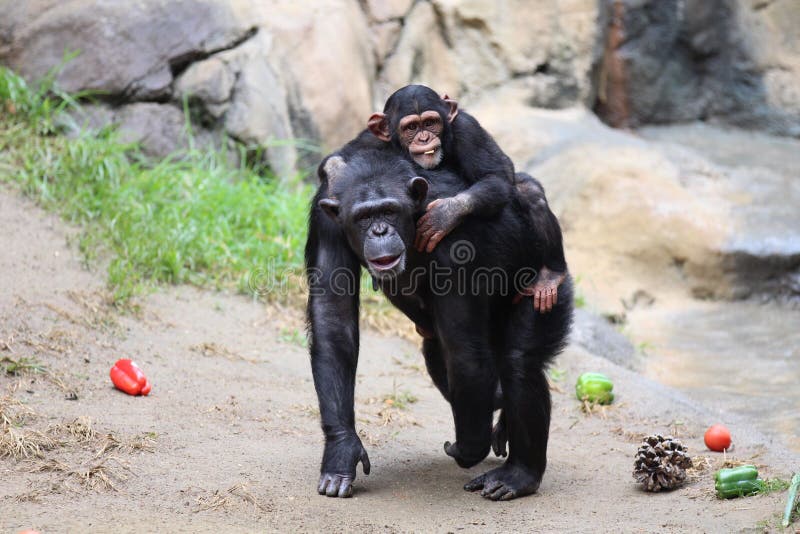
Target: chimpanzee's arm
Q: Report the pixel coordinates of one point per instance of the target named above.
(333, 277)
(549, 244)
(476, 157)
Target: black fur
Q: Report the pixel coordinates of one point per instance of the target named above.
(471, 153)
(483, 343)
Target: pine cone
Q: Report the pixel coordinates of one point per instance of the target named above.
(661, 463)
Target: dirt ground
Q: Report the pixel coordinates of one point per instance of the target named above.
(229, 440)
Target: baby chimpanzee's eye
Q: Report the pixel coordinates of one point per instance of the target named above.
(429, 123)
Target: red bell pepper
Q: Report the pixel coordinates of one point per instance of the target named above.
(127, 377)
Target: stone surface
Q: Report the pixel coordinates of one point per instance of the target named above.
(322, 52)
(209, 82)
(422, 55)
(127, 50)
(544, 42)
(681, 60)
(323, 67)
(384, 37)
(383, 10)
(160, 128)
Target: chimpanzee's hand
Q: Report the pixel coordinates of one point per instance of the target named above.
(544, 291)
(342, 453)
(441, 216)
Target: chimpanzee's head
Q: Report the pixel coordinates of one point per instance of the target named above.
(417, 120)
(375, 199)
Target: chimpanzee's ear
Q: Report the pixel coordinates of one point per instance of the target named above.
(378, 124)
(451, 116)
(330, 169)
(418, 187)
(331, 207)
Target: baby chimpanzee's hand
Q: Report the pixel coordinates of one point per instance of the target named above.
(441, 217)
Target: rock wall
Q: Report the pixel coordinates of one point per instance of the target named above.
(266, 71)
(682, 60)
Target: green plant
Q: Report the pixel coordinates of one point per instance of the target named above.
(194, 219)
(399, 399)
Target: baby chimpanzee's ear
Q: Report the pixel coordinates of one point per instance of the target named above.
(331, 207)
(418, 187)
(453, 105)
(378, 124)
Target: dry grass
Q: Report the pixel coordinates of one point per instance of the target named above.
(24, 366)
(81, 429)
(97, 474)
(14, 412)
(593, 408)
(142, 443)
(379, 315)
(21, 443)
(237, 493)
(17, 442)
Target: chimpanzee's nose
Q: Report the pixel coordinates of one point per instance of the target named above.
(380, 228)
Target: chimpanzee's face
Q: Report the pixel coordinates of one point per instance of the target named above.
(417, 120)
(377, 214)
(420, 135)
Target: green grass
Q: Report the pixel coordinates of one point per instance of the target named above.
(772, 485)
(196, 219)
(399, 399)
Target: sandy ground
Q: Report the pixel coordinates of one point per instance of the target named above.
(228, 441)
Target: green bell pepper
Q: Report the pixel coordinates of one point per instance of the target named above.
(594, 387)
(737, 482)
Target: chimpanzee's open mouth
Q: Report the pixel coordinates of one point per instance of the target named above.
(384, 263)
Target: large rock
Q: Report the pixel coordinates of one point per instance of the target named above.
(694, 209)
(470, 47)
(159, 128)
(265, 73)
(682, 60)
(323, 54)
(127, 50)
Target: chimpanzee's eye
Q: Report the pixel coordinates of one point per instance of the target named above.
(411, 127)
(429, 123)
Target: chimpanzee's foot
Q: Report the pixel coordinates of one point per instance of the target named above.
(500, 438)
(505, 483)
(465, 459)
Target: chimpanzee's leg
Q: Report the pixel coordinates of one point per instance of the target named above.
(526, 409)
(463, 324)
(434, 361)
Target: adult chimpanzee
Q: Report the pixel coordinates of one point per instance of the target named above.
(482, 338)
